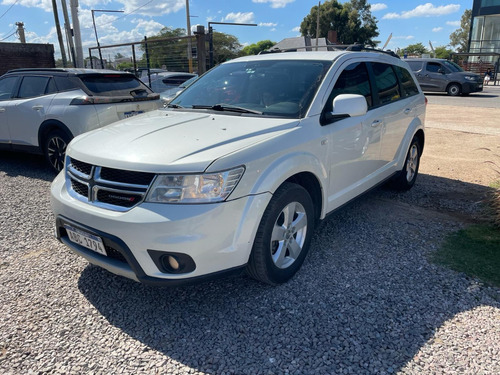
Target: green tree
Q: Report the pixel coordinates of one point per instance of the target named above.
(460, 37)
(352, 21)
(442, 52)
(226, 47)
(119, 56)
(255, 48)
(416, 49)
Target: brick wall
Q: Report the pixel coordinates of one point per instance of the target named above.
(29, 55)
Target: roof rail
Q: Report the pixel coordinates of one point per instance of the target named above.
(331, 47)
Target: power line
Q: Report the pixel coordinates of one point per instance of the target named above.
(9, 9)
(7, 37)
(125, 15)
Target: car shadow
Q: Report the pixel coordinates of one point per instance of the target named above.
(23, 164)
(365, 301)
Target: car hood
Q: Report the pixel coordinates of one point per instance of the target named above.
(172, 141)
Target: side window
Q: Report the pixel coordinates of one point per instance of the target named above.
(66, 83)
(33, 86)
(353, 80)
(7, 87)
(408, 85)
(387, 83)
(415, 65)
(433, 67)
(51, 87)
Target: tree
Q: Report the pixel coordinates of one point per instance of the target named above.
(416, 49)
(460, 37)
(442, 52)
(352, 21)
(226, 47)
(255, 48)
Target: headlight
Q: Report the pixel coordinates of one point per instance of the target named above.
(470, 78)
(189, 188)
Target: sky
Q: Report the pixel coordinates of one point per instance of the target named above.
(409, 21)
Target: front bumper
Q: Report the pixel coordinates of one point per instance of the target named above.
(470, 87)
(217, 237)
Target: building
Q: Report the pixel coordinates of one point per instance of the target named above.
(485, 28)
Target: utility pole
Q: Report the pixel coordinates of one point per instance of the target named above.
(189, 51)
(69, 33)
(59, 35)
(78, 36)
(20, 31)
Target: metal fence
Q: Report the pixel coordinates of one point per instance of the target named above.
(179, 54)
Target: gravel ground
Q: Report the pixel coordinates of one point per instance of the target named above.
(366, 301)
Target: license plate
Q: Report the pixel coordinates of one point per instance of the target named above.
(132, 113)
(86, 239)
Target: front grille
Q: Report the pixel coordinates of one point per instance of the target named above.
(110, 188)
(81, 167)
(127, 177)
(79, 188)
(115, 254)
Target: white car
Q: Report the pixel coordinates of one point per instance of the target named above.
(41, 110)
(240, 168)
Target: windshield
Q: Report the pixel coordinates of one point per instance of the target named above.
(281, 88)
(452, 66)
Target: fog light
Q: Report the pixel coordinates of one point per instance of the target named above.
(170, 262)
(173, 262)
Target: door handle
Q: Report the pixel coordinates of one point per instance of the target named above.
(2, 110)
(37, 107)
(407, 111)
(376, 123)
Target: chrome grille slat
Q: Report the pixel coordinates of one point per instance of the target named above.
(105, 187)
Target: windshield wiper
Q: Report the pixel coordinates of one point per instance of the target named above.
(174, 106)
(224, 107)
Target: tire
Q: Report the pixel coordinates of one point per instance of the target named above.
(405, 179)
(283, 237)
(55, 149)
(454, 89)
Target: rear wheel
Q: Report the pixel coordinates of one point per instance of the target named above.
(55, 148)
(283, 237)
(454, 89)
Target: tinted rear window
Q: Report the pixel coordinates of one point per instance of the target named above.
(115, 85)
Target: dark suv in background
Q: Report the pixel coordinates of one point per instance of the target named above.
(440, 75)
(41, 110)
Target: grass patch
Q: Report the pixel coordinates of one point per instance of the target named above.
(474, 251)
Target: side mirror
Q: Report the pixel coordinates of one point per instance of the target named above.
(344, 106)
(441, 70)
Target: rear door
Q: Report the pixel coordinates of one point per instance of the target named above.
(7, 108)
(31, 105)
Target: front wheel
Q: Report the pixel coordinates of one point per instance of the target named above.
(454, 89)
(283, 237)
(55, 148)
(405, 179)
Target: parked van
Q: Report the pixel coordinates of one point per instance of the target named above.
(440, 75)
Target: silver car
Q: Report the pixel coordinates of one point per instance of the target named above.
(41, 110)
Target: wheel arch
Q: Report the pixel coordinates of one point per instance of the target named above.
(311, 183)
(48, 126)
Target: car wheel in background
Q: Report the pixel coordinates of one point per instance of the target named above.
(284, 235)
(454, 89)
(55, 148)
(405, 179)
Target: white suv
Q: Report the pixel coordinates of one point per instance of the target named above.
(240, 168)
(41, 110)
